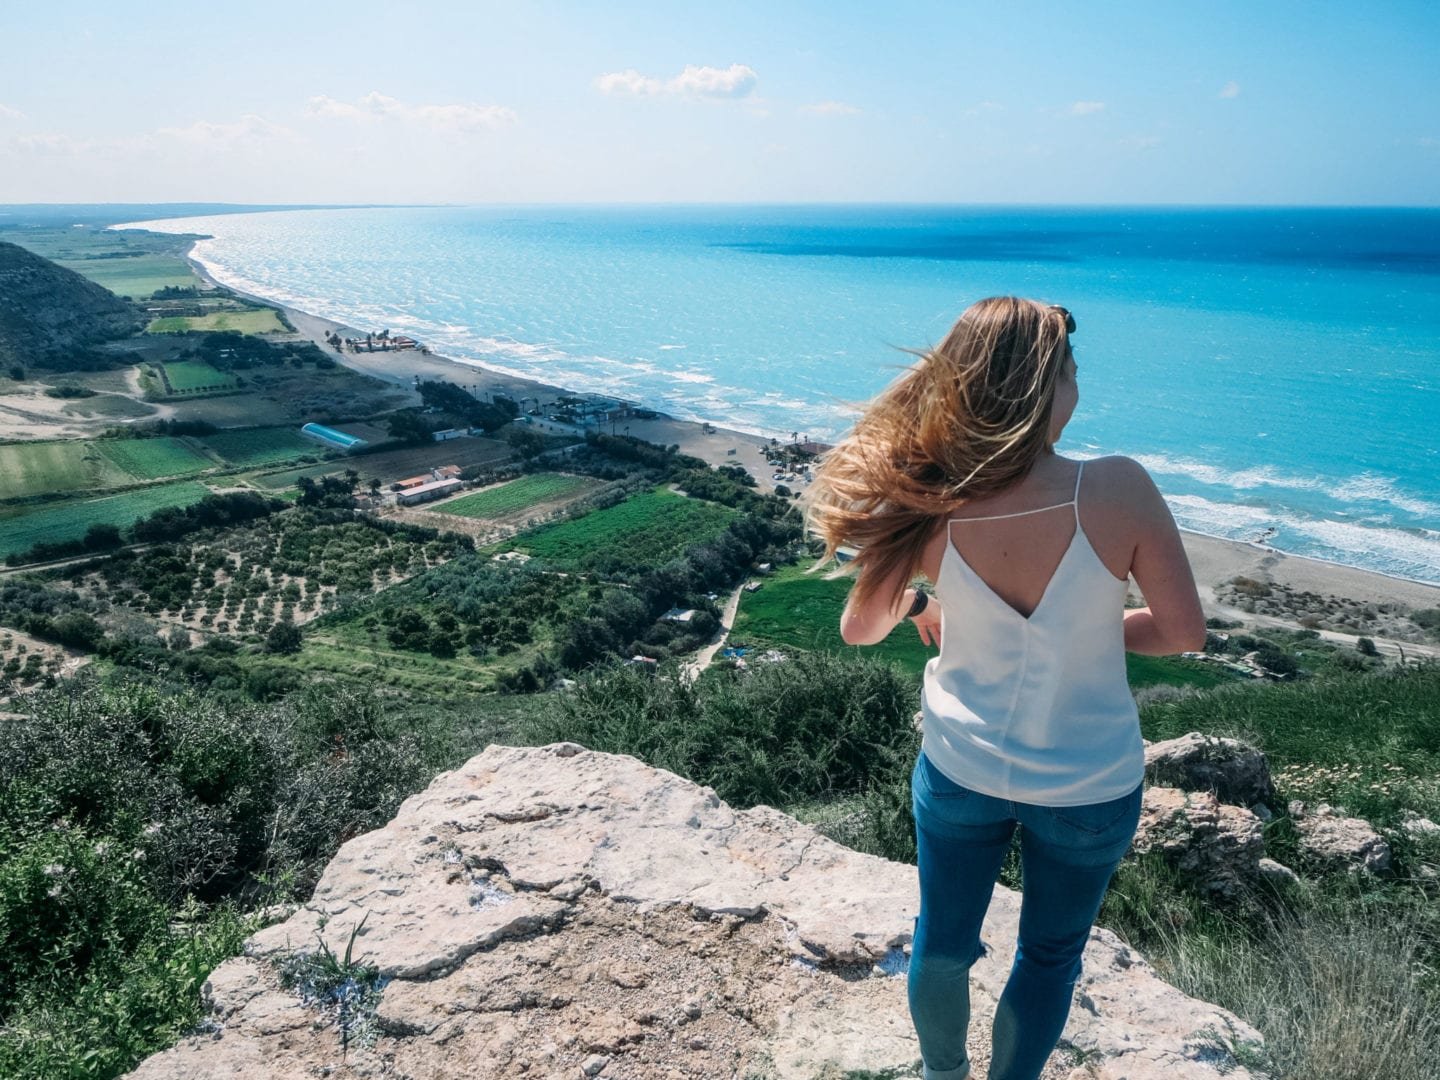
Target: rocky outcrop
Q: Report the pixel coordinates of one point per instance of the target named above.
(1330, 836)
(554, 912)
(46, 310)
(1218, 847)
(1235, 772)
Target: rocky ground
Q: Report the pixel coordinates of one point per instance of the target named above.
(554, 912)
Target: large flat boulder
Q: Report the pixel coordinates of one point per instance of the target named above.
(551, 911)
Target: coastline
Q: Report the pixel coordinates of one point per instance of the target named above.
(403, 369)
(1214, 560)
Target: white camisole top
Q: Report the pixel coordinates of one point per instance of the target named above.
(1035, 709)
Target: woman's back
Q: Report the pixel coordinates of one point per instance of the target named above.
(1028, 698)
(1015, 541)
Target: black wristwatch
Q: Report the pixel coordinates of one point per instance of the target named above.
(922, 601)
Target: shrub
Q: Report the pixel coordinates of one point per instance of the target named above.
(1250, 587)
(814, 725)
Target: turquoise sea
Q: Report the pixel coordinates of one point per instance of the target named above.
(1273, 368)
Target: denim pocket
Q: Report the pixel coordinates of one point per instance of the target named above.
(1096, 819)
(937, 784)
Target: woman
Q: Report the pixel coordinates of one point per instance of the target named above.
(952, 473)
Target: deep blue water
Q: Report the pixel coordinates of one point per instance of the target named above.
(1273, 368)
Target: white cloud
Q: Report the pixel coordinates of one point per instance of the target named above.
(708, 83)
(831, 108)
(52, 144)
(203, 136)
(462, 116)
(1141, 142)
(9, 112)
(629, 82)
(1085, 108)
(1230, 90)
(736, 81)
(983, 107)
(248, 129)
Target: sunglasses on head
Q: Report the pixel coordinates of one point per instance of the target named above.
(1069, 319)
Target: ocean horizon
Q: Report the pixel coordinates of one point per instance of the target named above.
(1276, 369)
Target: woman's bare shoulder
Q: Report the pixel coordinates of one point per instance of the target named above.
(1122, 485)
(1117, 474)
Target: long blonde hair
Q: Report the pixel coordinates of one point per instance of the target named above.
(968, 420)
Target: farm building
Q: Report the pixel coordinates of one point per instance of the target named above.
(450, 433)
(444, 472)
(336, 440)
(435, 489)
(680, 615)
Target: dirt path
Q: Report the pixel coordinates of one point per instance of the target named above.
(691, 669)
(1385, 646)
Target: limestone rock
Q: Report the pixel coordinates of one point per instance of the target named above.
(1418, 826)
(1277, 872)
(1329, 835)
(704, 941)
(1234, 771)
(1219, 847)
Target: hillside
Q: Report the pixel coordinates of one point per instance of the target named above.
(46, 310)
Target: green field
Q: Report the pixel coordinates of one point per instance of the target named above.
(150, 459)
(44, 468)
(802, 611)
(643, 532)
(70, 519)
(516, 495)
(260, 321)
(108, 405)
(137, 277)
(128, 263)
(186, 376)
(287, 478)
(259, 446)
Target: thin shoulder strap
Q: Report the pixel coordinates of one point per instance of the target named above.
(1074, 500)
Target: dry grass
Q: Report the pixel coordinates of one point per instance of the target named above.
(1337, 990)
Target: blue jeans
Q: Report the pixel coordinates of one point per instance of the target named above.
(1067, 856)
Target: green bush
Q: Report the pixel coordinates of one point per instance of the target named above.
(122, 806)
(813, 725)
(123, 1009)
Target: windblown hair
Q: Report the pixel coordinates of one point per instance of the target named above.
(968, 420)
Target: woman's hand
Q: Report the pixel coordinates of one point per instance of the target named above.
(928, 623)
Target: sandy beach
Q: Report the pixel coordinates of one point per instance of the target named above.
(1215, 561)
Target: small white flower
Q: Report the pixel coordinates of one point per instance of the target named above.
(102, 849)
(153, 828)
(53, 892)
(53, 869)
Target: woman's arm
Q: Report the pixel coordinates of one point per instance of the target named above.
(1173, 621)
(873, 623)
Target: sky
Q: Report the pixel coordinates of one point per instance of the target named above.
(1261, 103)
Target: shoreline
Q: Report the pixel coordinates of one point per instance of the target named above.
(1214, 559)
